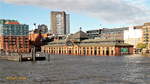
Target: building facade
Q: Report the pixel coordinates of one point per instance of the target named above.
(43, 28)
(36, 39)
(116, 33)
(146, 34)
(106, 33)
(79, 44)
(133, 35)
(60, 23)
(94, 33)
(13, 36)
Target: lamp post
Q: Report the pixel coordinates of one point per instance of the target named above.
(80, 28)
(33, 50)
(34, 25)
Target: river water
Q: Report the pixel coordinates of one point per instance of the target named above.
(133, 69)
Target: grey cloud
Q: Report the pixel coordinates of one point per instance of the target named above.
(108, 11)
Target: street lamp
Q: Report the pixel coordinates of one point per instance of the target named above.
(34, 25)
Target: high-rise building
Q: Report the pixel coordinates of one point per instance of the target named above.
(13, 36)
(60, 23)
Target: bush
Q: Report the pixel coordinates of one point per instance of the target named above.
(141, 45)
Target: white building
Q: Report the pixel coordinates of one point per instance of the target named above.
(133, 35)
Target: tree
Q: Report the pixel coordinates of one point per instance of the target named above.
(141, 45)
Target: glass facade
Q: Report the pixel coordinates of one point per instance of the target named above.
(14, 29)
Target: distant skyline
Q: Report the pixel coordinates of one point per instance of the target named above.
(88, 14)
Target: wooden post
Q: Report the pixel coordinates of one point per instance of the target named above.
(20, 57)
(48, 56)
(33, 54)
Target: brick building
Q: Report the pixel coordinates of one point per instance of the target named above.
(79, 44)
(36, 40)
(13, 36)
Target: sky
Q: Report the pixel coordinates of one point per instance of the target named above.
(88, 14)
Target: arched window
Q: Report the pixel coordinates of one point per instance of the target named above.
(112, 52)
(107, 51)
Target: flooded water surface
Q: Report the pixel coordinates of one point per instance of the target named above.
(78, 70)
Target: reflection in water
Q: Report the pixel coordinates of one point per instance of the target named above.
(78, 70)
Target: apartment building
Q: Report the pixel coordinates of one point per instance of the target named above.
(13, 36)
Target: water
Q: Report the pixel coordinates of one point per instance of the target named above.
(78, 70)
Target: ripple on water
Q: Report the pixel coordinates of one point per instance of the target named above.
(79, 70)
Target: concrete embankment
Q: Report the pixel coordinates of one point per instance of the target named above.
(22, 58)
(11, 58)
(146, 54)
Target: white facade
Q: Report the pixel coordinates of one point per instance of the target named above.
(133, 36)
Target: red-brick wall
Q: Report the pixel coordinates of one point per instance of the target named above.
(15, 43)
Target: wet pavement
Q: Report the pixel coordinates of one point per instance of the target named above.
(133, 69)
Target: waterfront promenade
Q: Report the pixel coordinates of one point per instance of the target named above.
(78, 70)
